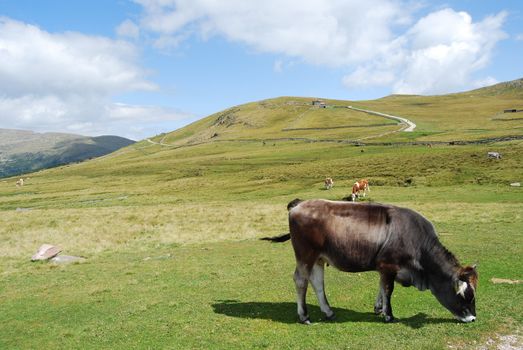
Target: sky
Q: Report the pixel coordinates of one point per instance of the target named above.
(137, 68)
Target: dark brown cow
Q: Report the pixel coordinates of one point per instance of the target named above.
(397, 242)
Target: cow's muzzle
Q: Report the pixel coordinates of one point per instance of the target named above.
(467, 319)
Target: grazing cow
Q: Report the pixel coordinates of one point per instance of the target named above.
(494, 155)
(329, 183)
(358, 187)
(397, 242)
(20, 183)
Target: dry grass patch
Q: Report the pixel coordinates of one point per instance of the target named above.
(92, 230)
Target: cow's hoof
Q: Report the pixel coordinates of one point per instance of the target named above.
(306, 322)
(378, 310)
(331, 317)
(389, 319)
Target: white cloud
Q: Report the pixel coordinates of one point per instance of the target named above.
(438, 54)
(66, 81)
(446, 48)
(519, 37)
(128, 29)
(37, 62)
(378, 41)
(332, 33)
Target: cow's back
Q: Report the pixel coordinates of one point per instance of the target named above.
(346, 235)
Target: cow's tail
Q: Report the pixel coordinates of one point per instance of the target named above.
(286, 236)
(277, 239)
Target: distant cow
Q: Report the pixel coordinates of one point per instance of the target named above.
(397, 242)
(329, 183)
(358, 188)
(20, 183)
(494, 155)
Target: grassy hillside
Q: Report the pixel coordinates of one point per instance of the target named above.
(25, 151)
(170, 233)
(472, 115)
(468, 115)
(281, 118)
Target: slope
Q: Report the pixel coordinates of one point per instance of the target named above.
(471, 115)
(26, 151)
(474, 115)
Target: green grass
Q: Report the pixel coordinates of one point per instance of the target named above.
(240, 294)
(170, 237)
(194, 276)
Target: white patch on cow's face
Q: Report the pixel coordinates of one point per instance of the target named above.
(461, 288)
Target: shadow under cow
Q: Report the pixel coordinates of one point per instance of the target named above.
(285, 312)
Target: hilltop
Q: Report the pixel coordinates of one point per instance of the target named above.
(24, 151)
(474, 115)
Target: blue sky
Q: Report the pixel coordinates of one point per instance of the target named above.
(138, 68)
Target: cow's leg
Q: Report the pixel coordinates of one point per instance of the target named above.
(301, 278)
(319, 287)
(387, 287)
(378, 306)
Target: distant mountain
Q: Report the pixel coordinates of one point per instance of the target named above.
(26, 151)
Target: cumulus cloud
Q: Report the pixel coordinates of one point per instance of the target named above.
(66, 81)
(378, 42)
(440, 53)
(37, 62)
(444, 49)
(332, 33)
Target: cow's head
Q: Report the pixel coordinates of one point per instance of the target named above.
(460, 296)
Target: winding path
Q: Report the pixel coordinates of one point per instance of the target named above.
(161, 143)
(408, 125)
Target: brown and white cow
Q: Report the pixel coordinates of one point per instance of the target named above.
(397, 242)
(20, 183)
(359, 187)
(328, 183)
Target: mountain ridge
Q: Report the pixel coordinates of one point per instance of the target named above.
(23, 151)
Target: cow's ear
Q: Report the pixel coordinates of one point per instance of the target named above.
(470, 275)
(460, 287)
(467, 271)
